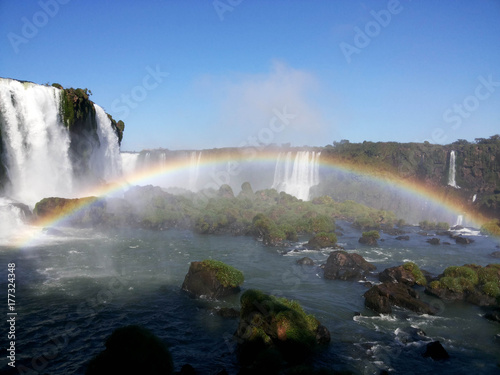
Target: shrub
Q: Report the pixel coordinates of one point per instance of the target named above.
(228, 276)
(416, 272)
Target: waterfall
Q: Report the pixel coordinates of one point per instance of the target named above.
(129, 162)
(194, 170)
(37, 148)
(36, 144)
(452, 171)
(296, 174)
(105, 162)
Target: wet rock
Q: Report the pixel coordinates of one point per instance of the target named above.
(393, 231)
(436, 351)
(346, 266)
(227, 312)
(306, 261)
(495, 254)
(433, 241)
(493, 315)
(380, 298)
(397, 275)
(463, 240)
(132, 350)
(403, 238)
(212, 279)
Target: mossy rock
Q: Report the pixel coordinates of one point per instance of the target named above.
(369, 238)
(268, 322)
(322, 240)
(212, 279)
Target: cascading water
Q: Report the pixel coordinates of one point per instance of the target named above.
(129, 162)
(296, 174)
(452, 171)
(194, 170)
(105, 162)
(36, 144)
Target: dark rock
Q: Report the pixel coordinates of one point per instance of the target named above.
(433, 241)
(436, 351)
(132, 350)
(322, 335)
(382, 297)
(463, 240)
(493, 315)
(403, 238)
(202, 280)
(423, 233)
(446, 243)
(495, 254)
(346, 266)
(187, 369)
(305, 261)
(371, 241)
(228, 312)
(443, 233)
(397, 275)
(393, 231)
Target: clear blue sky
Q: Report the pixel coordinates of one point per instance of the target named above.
(191, 74)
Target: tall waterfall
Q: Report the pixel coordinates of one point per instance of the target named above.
(452, 171)
(35, 142)
(36, 145)
(194, 170)
(296, 173)
(106, 161)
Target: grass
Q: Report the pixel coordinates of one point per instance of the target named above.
(227, 275)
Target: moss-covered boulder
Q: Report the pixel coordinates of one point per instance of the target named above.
(347, 266)
(132, 350)
(471, 283)
(322, 240)
(269, 324)
(88, 211)
(369, 238)
(408, 273)
(212, 279)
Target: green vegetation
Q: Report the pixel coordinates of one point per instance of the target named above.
(428, 225)
(491, 228)
(416, 272)
(322, 240)
(470, 278)
(372, 234)
(274, 320)
(228, 276)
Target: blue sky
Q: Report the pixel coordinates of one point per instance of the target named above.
(203, 74)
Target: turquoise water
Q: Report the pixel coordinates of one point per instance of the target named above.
(74, 288)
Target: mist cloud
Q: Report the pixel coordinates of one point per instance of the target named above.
(247, 103)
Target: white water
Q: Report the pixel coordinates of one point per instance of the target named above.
(452, 171)
(296, 173)
(36, 142)
(460, 220)
(106, 162)
(129, 162)
(194, 170)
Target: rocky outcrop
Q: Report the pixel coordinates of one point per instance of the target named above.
(435, 351)
(88, 211)
(470, 283)
(369, 238)
(322, 240)
(276, 325)
(342, 265)
(380, 298)
(132, 350)
(306, 261)
(212, 279)
(408, 274)
(433, 241)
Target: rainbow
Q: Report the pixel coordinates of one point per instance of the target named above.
(237, 156)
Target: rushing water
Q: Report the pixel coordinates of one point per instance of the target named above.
(76, 286)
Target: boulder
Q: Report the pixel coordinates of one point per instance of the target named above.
(399, 274)
(463, 240)
(346, 266)
(277, 326)
(495, 254)
(433, 241)
(322, 240)
(212, 279)
(403, 238)
(306, 261)
(382, 297)
(132, 350)
(436, 351)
